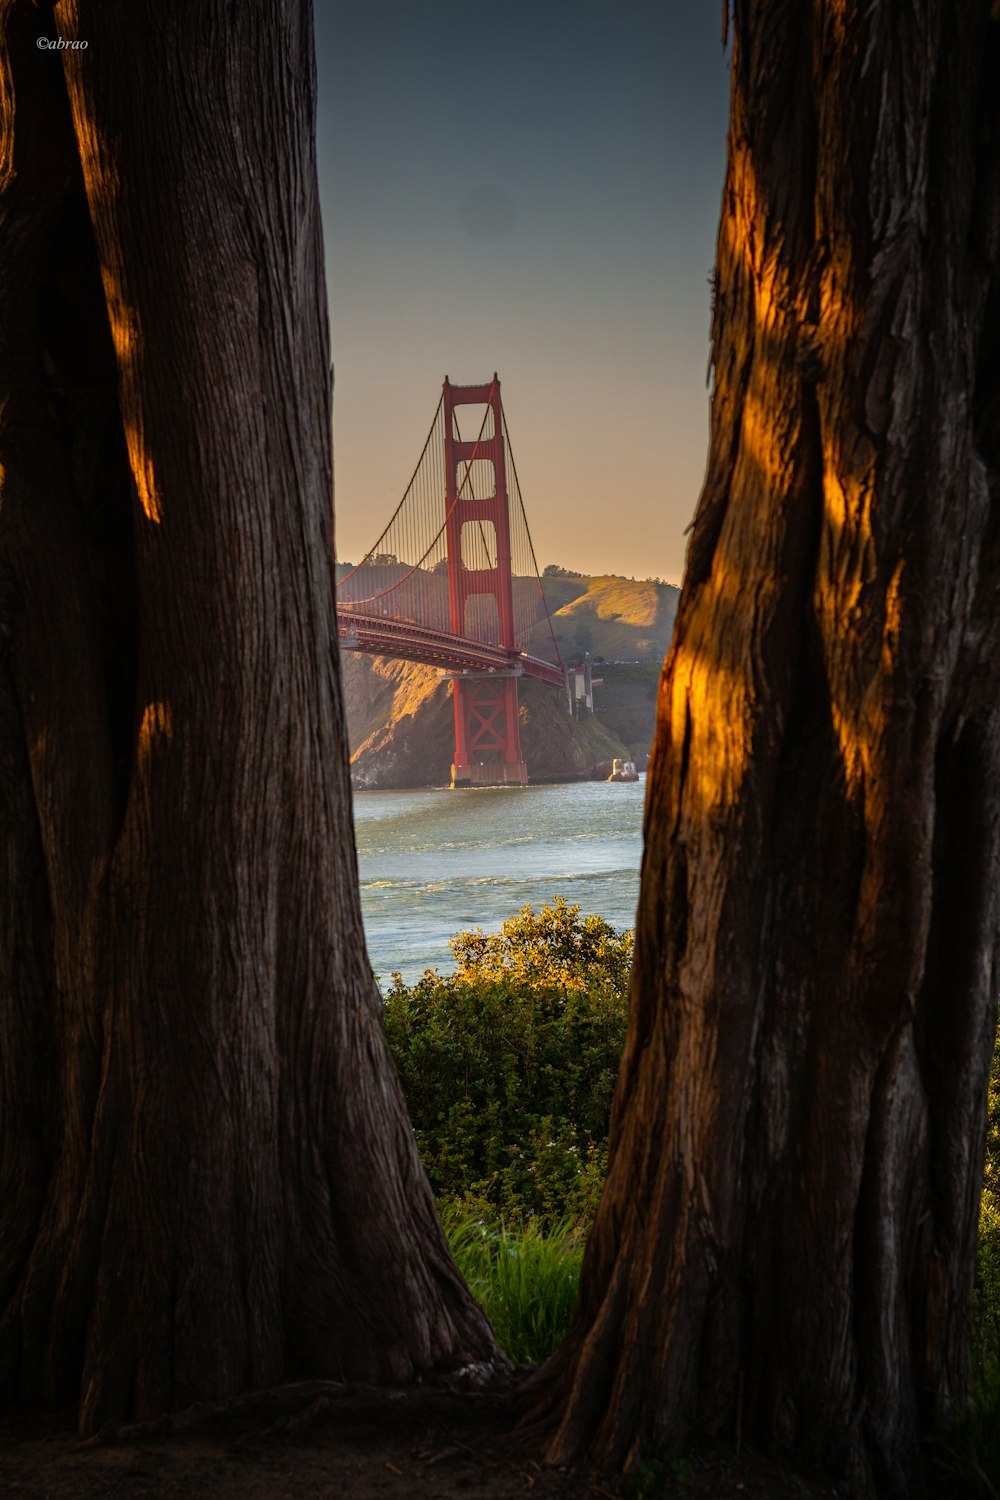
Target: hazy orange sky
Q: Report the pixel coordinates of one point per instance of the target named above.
(534, 189)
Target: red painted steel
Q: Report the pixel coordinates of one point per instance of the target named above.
(487, 731)
(423, 594)
(437, 648)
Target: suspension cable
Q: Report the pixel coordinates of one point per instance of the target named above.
(371, 598)
(399, 507)
(531, 545)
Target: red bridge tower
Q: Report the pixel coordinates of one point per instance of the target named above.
(487, 735)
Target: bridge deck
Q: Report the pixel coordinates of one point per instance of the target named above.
(383, 636)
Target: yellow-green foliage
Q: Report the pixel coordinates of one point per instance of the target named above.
(554, 947)
(509, 1063)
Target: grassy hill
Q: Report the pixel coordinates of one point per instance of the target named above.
(620, 619)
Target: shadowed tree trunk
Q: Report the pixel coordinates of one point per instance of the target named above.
(784, 1252)
(207, 1177)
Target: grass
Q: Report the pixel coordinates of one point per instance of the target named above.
(524, 1277)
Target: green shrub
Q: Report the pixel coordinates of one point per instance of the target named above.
(525, 1280)
(509, 1063)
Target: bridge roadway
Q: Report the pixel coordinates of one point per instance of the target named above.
(382, 636)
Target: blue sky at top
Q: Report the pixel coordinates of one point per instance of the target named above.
(531, 188)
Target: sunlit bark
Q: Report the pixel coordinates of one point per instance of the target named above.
(207, 1178)
(784, 1252)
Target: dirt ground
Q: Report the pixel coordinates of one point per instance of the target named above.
(326, 1440)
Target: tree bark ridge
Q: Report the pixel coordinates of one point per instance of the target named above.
(233, 1195)
(785, 1247)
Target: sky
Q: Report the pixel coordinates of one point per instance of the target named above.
(530, 187)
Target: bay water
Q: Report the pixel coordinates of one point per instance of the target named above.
(435, 862)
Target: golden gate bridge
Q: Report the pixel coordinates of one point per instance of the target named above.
(453, 582)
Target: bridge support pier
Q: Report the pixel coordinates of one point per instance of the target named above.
(487, 732)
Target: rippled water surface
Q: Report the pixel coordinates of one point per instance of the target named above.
(434, 862)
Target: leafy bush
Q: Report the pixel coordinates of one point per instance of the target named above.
(509, 1063)
(525, 1280)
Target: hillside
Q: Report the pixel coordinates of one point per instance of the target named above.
(400, 719)
(620, 619)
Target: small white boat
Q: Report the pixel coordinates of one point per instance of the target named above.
(623, 770)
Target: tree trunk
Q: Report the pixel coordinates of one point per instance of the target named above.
(208, 1178)
(784, 1251)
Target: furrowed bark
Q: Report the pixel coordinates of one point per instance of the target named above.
(57, 792)
(241, 1200)
(784, 1251)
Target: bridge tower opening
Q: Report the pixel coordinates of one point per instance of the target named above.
(481, 595)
